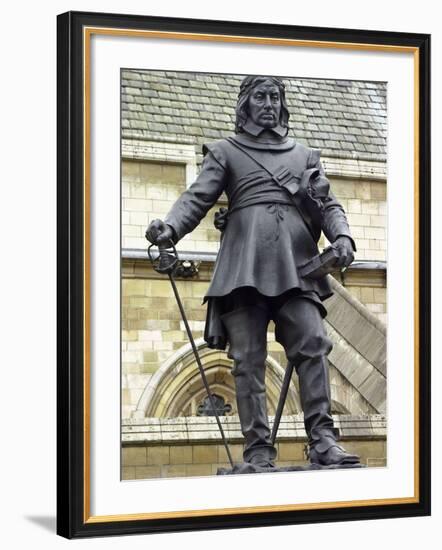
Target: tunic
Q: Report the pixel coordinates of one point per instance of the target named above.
(267, 237)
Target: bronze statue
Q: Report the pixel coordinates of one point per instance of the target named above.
(279, 201)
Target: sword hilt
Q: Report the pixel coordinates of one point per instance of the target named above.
(166, 259)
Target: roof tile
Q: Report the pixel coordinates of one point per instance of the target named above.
(340, 117)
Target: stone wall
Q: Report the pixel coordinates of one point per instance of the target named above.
(153, 334)
(373, 297)
(162, 461)
(149, 189)
(184, 447)
(152, 328)
(366, 208)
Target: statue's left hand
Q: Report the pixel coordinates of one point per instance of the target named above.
(345, 249)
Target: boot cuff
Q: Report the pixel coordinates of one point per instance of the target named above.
(261, 453)
(321, 439)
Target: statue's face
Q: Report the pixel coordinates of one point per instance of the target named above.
(265, 105)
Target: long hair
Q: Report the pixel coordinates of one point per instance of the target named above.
(245, 91)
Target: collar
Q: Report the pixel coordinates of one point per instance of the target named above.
(280, 144)
(255, 130)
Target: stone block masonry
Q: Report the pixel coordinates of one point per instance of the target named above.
(150, 189)
(183, 455)
(365, 205)
(152, 328)
(372, 453)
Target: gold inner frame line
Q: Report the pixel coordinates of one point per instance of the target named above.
(246, 39)
(87, 33)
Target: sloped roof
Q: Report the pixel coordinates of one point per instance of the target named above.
(346, 119)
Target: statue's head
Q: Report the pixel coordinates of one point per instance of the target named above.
(261, 98)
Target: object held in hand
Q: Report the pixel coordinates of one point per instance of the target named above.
(321, 265)
(220, 221)
(165, 259)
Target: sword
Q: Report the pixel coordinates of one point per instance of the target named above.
(282, 399)
(166, 262)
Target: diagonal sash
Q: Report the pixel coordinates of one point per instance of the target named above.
(286, 179)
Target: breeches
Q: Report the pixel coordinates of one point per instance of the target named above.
(299, 328)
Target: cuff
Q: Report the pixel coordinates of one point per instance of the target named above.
(353, 244)
(175, 237)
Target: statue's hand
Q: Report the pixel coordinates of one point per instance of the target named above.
(159, 233)
(345, 249)
(220, 221)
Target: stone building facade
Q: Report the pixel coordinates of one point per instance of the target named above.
(166, 117)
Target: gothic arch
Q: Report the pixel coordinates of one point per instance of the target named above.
(176, 386)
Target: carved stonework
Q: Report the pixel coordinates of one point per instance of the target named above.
(222, 408)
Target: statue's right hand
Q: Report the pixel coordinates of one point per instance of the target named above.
(159, 233)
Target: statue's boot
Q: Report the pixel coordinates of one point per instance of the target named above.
(314, 389)
(247, 332)
(300, 330)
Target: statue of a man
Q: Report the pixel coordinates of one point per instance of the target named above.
(279, 201)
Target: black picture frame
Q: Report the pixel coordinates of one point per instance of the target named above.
(73, 520)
